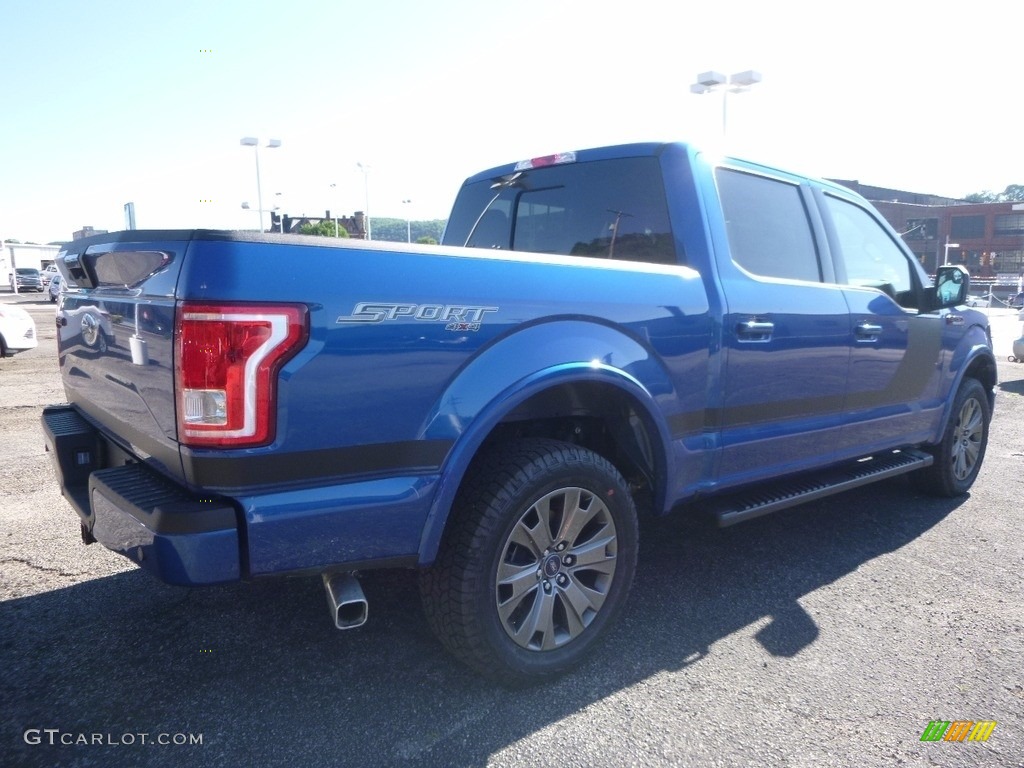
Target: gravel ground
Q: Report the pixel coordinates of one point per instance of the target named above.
(826, 635)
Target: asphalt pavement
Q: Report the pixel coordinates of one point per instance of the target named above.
(826, 635)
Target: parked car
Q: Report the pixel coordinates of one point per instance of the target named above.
(28, 279)
(17, 330)
(1017, 302)
(55, 285)
(48, 273)
(978, 301)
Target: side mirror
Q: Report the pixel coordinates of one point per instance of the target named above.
(952, 283)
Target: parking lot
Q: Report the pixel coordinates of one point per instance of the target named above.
(826, 635)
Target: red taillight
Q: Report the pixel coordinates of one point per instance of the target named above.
(225, 369)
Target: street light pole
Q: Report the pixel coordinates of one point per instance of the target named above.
(740, 82)
(408, 223)
(336, 233)
(949, 245)
(366, 191)
(252, 141)
(279, 207)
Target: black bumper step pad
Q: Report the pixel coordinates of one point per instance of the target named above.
(161, 505)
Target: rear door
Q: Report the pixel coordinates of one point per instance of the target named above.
(785, 329)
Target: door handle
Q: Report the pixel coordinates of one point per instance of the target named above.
(868, 332)
(755, 330)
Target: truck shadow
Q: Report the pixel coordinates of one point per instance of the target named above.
(258, 670)
(1014, 387)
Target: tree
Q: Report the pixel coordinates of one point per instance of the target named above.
(397, 230)
(1014, 193)
(981, 197)
(324, 229)
(426, 240)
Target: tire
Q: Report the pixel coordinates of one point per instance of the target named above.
(959, 455)
(521, 591)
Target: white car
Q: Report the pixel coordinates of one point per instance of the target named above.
(48, 274)
(17, 330)
(54, 287)
(978, 301)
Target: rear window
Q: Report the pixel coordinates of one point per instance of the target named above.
(604, 209)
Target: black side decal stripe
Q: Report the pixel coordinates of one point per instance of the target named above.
(217, 471)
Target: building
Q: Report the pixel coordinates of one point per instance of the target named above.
(24, 255)
(87, 232)
(987, 238)
(355, 224)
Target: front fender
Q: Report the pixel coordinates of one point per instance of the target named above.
(524, 364)
(972, 356)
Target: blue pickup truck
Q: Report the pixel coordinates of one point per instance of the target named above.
(640, 328)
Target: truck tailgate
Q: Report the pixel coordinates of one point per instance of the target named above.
(115, 329)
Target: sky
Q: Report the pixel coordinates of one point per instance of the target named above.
(108, 102)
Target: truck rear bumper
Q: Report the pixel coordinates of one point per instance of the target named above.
(177, 536)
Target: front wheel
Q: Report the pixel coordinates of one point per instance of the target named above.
(958, 456)
(537, 563)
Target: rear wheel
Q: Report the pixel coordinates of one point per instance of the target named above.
(537, 563)
(958, 456)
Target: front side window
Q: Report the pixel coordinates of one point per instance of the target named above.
(769, 232)
(870, 257)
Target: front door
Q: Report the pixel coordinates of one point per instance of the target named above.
(896, 352)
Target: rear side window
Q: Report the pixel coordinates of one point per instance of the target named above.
(603, 209)
(769, 232)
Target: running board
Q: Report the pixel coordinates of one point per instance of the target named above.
(777, 495)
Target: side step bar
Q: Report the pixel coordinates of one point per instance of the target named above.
(774, 496)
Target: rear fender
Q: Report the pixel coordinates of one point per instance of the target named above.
(536, 359)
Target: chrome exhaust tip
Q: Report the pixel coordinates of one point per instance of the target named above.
(345, 600)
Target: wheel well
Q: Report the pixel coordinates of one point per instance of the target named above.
(597, 416)
(984, 370)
